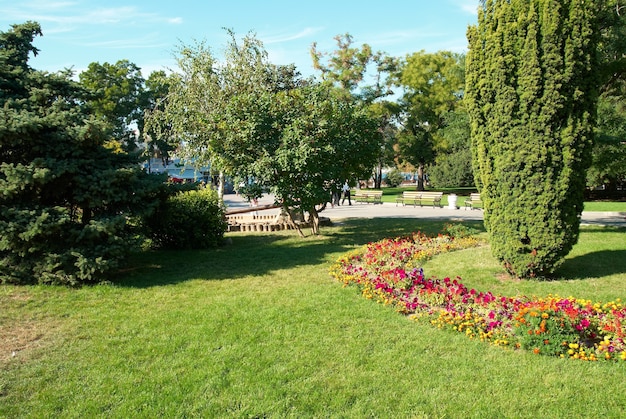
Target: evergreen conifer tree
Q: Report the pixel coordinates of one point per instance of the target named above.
(67, 203)
(531, 94)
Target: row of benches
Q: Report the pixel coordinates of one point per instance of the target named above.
(414, 197)
(420, 197)
(434, 198)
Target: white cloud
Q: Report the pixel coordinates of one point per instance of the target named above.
(468, 6)
(67, 15)
(401, 37)
(146, 41)
(304, 33)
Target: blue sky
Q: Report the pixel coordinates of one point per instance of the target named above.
(78, 32)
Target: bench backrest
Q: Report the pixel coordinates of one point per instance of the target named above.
(411, 194)
(431, 194)
(475, 197)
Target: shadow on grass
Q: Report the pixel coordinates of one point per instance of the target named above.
(594, 265)
(258, 254)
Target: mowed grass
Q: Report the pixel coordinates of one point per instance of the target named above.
(258, 329)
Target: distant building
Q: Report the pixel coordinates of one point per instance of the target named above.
(178, 171)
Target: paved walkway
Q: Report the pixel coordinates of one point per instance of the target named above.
(390, 210)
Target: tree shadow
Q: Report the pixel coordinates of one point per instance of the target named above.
(593, 265)
(254, 254)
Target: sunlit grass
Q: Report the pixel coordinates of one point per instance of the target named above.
(258, 328)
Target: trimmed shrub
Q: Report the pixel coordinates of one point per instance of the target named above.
(188, 220)
(532, 85)
(452, 170)
(394, 178)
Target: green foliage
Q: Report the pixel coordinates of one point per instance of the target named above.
(434, 84)
(255, 120)
(612, 45)
(158, 137)
(608, 168)
(394, 178)
(531, 93)
(323, 141)
(609, 151)
(452, 170)
(69, 206)
(188, 220)
(251, 191)
(434, 87)
(117, 97)
(459, 230)
(347, 66)
(453, 165)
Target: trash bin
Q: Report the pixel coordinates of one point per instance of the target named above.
(452, 201)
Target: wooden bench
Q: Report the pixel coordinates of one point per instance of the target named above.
(473, 201)
(434, 197)
(368, 197)
(409, 196)
(420, 197)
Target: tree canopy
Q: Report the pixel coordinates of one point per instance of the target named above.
(433, 86)
(256, 120)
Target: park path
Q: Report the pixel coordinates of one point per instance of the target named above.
(391, 210)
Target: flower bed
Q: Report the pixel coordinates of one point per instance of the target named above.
(390, 272)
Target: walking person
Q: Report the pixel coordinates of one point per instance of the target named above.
(346, 193)
(335, 196)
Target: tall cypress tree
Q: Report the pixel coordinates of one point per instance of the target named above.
(65, 199)
(531, 93)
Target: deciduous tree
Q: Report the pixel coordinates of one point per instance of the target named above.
(260, 121)
(117, 97)
(433, 84)
(366, 76)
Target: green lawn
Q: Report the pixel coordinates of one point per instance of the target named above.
(259, 329)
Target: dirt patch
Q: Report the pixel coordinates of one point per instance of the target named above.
(20, 337)
(505, 277)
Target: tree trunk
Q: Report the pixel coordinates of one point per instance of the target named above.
(420, 177)
(378, 177)
(292, 222)
(314, 219)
